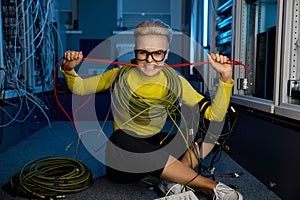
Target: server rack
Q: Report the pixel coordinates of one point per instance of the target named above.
(28, 50)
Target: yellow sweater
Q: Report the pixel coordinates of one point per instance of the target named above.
(149, 87)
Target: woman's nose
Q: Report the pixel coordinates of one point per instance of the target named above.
(149, 59)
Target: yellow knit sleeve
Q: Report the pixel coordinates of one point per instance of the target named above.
(220, 102)
(90, 85)
(219, 105)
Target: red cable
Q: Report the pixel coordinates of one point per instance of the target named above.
(81, 106)
(234, 62)
(203, 63)
(56, 97)
(110, 62)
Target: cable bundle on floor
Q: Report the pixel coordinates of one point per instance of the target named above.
(51, 177)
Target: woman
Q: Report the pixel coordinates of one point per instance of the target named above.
(142, 99)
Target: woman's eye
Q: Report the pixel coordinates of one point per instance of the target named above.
(158, 53)
(142, 52)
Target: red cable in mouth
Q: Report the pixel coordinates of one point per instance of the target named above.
(234, 62)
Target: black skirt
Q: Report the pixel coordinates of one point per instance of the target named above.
(130, 157)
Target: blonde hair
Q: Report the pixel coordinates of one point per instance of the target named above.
(153, 27)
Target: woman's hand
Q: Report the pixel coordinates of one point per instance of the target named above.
(218, 62)
(72, 59)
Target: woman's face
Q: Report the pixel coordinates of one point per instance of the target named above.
(151, 51)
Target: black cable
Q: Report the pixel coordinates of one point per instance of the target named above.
(222, 140)
(192, 179)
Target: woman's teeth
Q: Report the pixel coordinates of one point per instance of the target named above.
(151, 67)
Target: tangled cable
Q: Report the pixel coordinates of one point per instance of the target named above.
(219, 140)
(51, 177)
(141, 109)
(233, 62)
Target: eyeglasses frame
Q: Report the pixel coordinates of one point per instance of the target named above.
(150, 53)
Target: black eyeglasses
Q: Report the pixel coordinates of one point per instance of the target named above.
(143, 55)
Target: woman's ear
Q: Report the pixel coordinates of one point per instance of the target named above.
(167, 54)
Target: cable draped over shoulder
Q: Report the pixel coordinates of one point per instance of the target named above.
(139, 108)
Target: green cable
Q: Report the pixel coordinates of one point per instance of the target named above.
(51, 177)
(142, 109)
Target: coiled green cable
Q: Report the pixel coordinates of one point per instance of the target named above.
(51, 177)
(143, 110)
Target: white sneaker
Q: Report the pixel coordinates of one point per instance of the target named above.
(224, 192)
(175, 188)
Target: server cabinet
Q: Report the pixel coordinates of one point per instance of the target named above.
(28, 47)
(265, 38)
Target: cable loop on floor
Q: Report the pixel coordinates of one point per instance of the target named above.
(51, 177)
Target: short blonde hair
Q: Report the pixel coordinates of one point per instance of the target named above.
(153, 27)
